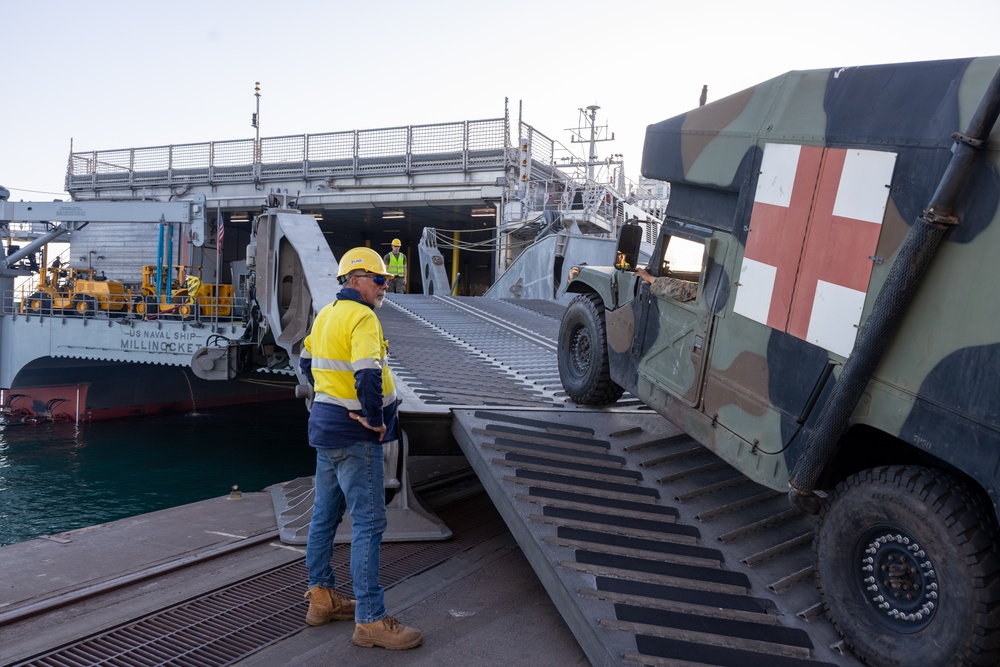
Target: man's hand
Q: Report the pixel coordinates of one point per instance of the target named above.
(364, 422)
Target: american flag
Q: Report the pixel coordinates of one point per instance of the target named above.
(222, 230)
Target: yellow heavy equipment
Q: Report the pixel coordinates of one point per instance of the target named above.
(181, 294)
(78, 290)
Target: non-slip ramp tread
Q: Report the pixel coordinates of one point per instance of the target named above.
(539, 462)
(620, 521)
(639, 543)
(600, 501)
(677, 594)
(630, 567)
(725, 627)
(529, 475)
(562, 453)
(689, 652)
(647, 566)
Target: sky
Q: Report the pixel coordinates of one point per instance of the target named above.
(109, 74)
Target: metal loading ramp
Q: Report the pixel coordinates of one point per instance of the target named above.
(655, 551)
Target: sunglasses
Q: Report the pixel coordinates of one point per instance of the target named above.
(378, 280)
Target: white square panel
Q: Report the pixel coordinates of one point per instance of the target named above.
(864, 185)
(777, 174)
(753, 296)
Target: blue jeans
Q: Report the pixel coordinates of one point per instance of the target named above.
(350, 478)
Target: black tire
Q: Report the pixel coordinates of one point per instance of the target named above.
(937, 601)
(40, 303)
(583, 353)
(145, 305)
(84, 306)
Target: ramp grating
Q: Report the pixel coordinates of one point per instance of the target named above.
(594, 500)
(229, 624)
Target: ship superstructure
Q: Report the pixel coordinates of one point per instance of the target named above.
(158, 241)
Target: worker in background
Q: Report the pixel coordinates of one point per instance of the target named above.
(353, 413)
(395, 262)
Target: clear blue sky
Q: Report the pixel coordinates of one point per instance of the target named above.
(119, 74)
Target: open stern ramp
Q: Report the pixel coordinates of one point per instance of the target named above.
(654, 551)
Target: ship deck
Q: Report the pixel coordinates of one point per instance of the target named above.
(584, 536)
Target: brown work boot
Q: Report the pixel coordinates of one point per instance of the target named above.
(326, 604)
(387, 633)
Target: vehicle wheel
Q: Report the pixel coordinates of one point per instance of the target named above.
(144, 305)
(39, 302)
(906, 565)
(583, 354)
(83, 306)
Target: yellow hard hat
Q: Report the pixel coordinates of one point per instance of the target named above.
(396, 242)
(362, 258)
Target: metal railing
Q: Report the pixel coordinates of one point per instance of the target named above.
(464, 145)
(131, 305)
(558, 179)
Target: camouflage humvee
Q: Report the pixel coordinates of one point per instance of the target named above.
(825, 316)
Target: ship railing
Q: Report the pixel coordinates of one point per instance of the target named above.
(203, 309)
(442, 147)
(594, 192)
(596, 205)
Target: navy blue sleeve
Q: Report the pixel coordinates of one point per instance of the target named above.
(368, 384)
(305, 367)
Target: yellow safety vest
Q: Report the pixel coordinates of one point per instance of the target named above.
(341, 342)
(394, 264)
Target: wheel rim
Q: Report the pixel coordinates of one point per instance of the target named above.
(581, 351)
(896, 579)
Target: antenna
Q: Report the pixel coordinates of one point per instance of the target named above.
(588, 121)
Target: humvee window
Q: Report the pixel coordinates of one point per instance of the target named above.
(680, 269)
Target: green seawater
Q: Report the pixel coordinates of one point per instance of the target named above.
(59, 476)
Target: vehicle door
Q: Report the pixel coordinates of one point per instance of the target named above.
(674, 313)
(803, 278)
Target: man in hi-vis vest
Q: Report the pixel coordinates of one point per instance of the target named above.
(395, 262)
(353, 413)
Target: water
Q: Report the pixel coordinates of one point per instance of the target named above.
(59, 476)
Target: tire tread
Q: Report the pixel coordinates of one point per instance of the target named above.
(971, 522)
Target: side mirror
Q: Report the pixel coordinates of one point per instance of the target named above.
(627, 252)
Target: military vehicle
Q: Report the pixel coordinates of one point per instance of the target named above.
(821, 311)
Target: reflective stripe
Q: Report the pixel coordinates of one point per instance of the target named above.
(332, 365)
(351, 403)
(346, 366)
(348, 403)
(369, 364)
